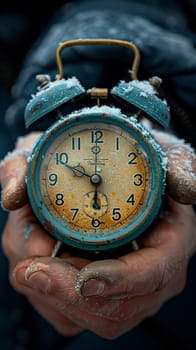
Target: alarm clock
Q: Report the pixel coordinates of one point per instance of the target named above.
(96, 176)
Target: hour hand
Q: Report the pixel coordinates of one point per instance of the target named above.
(78, 170)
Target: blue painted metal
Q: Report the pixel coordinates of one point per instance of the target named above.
(52, 97)
(142, 95)
(149, 211)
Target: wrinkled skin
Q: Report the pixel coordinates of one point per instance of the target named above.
(108, 297)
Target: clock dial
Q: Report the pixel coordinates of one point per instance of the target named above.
(94, 180)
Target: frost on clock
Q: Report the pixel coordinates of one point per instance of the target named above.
(99, 109)
(65, 83)
(145, 87)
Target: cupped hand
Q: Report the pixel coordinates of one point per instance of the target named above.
(23, 237)
(108, 297)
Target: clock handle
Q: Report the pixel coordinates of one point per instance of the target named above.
(130, 45)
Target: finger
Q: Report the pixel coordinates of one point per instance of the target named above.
(41, 296)
(13, 171)
(53, 280)
(181, 175)
(12, 176)
(111, 318)
(24, 237)
(180, 221)
(121, 278)
(50, 277)
(58, 320)
(164, 254)
(58, 270)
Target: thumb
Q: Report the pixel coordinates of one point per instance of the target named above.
(181, 174)
(13, 171)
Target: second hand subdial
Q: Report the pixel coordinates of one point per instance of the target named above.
(90, 209)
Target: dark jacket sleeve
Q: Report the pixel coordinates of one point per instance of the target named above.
(164, 52)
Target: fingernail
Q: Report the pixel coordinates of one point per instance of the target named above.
(40, 281)
(92, 287)
(34, 276)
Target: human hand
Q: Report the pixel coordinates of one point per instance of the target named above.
(109, 297)
(27, 239)
(181, 174)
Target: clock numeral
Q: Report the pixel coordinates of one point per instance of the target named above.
(59, 199)
(116, 215)
(96, 136)
(131, 199)
(117, 143)
(95, 222)
(132, 157)
(75, 213)
(61, 158)
(138, 180)
(53, 178)
(75, 143)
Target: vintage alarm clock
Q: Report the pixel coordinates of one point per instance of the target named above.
(96, 176)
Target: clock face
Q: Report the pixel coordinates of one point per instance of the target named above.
(93, 181)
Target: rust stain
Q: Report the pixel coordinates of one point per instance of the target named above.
(36, 108)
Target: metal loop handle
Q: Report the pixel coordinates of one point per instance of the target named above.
(136, 60)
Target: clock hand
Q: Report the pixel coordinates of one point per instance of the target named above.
(96, 204)
(96, 180)
(78, 169)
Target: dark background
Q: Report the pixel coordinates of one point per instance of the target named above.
(20, 25)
